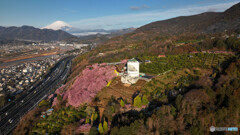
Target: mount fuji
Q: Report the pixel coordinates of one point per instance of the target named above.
(59, 25)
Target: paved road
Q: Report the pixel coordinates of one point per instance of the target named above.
(11, 114)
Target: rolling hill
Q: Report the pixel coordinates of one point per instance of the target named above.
(209, 22)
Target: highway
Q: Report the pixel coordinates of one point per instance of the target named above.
(11, 114)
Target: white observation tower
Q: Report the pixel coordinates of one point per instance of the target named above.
(133, 68)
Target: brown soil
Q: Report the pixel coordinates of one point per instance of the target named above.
(117, 89)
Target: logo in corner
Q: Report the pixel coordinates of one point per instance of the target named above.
(212, 128)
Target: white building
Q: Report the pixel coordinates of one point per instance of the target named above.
(25, 70)
(133, 68)
(132, 75)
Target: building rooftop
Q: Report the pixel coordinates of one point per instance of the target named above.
(50, 110)
(132, 60)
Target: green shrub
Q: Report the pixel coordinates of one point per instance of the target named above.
(105, 126)
(122, 103)
(94, 116)
(100, 128)
(59, 97)
(44, 103)
(145, 100)
(87, 121)
(137, 101)
(93, 131)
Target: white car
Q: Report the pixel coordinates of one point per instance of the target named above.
(10, 120)
(6, 113)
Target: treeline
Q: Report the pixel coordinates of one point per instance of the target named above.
(58, 121)
(230, 43)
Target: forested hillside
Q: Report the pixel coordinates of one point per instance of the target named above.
(31, 33)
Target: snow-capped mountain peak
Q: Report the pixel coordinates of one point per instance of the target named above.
(58, 25)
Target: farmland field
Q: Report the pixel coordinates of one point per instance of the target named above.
(172, 62)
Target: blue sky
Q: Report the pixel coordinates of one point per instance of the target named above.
(98, 14)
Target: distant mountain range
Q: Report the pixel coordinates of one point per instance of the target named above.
(81, 33)
(100, 38)
(60, 25)
(31, 33)
(56, 31)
